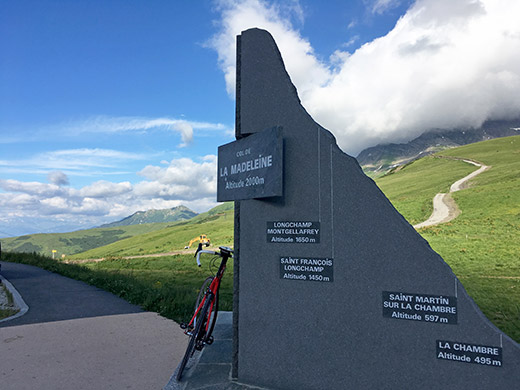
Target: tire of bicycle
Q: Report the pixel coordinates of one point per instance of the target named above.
(193, 339)
(214, 312)
(203, 289)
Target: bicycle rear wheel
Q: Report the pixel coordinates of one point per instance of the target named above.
(197, 335)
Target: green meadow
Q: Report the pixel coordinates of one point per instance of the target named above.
(167, 285)
(7, 309)
(75, 242)
(412, 188)
(480, 245)
(217, 224)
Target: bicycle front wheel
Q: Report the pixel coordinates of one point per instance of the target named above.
(197, 335)
(214, 311)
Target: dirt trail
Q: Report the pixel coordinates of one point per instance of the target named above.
(181, 252)
(444, 207)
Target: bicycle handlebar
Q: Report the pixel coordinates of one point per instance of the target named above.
(203, 251)
(227, 251)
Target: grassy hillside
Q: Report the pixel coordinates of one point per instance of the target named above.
(167, 285)
(482, 244)
(412, 188)
(179, 213)
(74, 242)
(176, 278)
(84, 240)
(216, 223)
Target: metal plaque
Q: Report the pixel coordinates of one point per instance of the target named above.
(420, 307)
(251, 167)
(484, 355)
(293, 232)
(307, 268)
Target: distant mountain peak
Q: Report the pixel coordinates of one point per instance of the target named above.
(174, 214)
(381, 158)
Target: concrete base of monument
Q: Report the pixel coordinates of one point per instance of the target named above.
(212, 367)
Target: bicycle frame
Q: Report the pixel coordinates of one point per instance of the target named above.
(211, 292)
(208, 306)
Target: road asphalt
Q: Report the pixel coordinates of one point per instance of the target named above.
(76, 336)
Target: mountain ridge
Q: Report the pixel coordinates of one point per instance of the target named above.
(78, 241)
(174, 214)
(379, 159)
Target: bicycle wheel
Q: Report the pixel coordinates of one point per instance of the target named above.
(197, 335)
(214, 312)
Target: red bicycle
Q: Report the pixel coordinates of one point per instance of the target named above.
(202, 323)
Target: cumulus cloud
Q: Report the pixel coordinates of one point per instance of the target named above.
(181, 181)
(445, 64)
(306, 70)
(58, 178)
(186, 131)
(31, 188)
(104, 189)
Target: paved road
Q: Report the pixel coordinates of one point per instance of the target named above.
(78, 336)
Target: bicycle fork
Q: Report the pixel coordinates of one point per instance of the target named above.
(189, 328)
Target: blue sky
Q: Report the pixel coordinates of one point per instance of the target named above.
(110, 107)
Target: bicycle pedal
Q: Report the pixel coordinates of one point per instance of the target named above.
(184, 325)
(210, 340)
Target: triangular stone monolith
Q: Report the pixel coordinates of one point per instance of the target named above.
(334, 288)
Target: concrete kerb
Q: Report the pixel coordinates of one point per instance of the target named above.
(224, 320)
(173, 384)
(211, 368)
(18, 300)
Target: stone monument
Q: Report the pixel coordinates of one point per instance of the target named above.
(334, 289)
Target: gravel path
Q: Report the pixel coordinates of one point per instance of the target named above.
(444, 207)
(181, 252)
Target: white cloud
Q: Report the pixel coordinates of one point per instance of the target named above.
(31, 188)
(186, 131)
(71, 207)
(445, 64)
(10, 202)
(78, 162)
(104, 189)
(181, 181)
(112, 125)
(58, 178)
(307, 72)
(381, 6)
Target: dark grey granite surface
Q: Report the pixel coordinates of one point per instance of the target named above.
(211, 368)
(369, 305)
